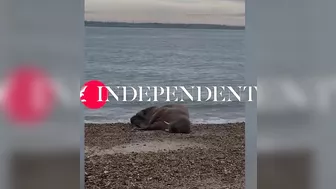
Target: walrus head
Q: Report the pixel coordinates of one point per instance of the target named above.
(143, 116)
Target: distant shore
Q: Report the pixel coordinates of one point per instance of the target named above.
(161, 25)
(211, 156)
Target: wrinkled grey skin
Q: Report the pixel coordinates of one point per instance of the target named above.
(173, 118)
(142, 118)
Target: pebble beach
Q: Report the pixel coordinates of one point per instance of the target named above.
(210, 157)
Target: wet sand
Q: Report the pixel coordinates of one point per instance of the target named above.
(210, 157)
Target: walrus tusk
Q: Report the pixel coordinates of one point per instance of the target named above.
(167, 124)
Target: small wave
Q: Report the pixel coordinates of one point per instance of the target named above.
(107, 121)
(216, 121)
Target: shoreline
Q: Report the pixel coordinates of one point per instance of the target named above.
(90, 124)
(123, 124)
(211, 156)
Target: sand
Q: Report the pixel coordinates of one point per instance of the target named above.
(210, 157)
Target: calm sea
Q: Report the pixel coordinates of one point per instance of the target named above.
(166, 57)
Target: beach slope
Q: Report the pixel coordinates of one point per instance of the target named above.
(210, 157)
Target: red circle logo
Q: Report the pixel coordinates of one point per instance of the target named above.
(29, 95)
(94, 94)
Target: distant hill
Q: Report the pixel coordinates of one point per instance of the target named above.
(160, 25)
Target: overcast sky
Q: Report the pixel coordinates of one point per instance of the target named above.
(230, 12)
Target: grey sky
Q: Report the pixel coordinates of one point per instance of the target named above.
(231, 12)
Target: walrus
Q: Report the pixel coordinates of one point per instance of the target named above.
(173, 118)
(142, 118)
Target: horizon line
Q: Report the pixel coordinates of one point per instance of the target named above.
(163, 23)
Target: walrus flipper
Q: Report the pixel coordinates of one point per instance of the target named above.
(159, 125)
(143, 126)
(155, 116)
(181, 125)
